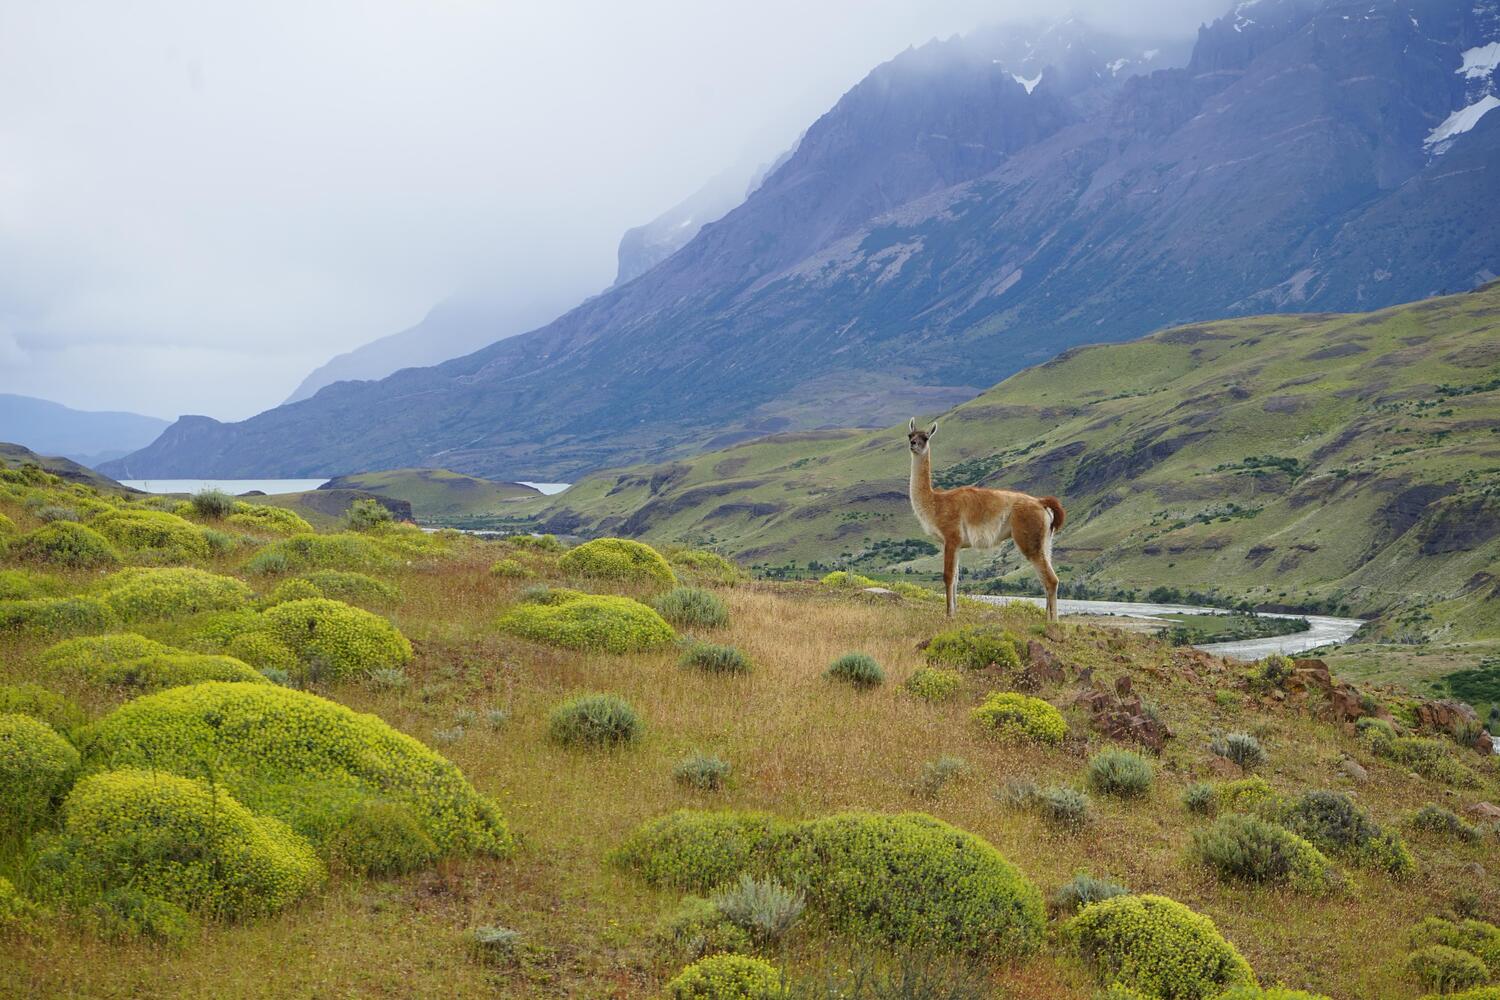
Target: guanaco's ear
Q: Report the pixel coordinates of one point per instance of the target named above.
(911, 426)
(933, 430)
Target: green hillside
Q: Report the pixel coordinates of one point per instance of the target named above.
(1304, 461)
(437, 493)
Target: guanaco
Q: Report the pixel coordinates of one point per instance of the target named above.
(972, 517)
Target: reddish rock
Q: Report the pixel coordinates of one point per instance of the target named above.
(1485, 810)
(1123, 684)
(1446, 715)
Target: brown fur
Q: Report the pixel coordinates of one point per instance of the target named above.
(971, 517)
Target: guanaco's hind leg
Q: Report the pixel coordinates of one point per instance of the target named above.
(1032, 531)
(950, 575)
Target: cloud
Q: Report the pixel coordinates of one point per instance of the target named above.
(199, 202)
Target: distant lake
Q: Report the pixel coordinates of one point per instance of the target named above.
(547, 489)
(233, 486)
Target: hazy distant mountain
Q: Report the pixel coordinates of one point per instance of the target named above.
(967, 210)
(453, 328)
(86, 437)
(643, 247)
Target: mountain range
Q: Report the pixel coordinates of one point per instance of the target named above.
(84, 436)
(967, 210)
(1331, 460)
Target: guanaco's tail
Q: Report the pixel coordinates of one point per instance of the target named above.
(1056, 507)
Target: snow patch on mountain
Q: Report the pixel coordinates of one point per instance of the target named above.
(1480, 61)
(1030, 84)
(1458, 123)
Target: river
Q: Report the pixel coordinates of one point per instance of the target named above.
(1325, 630)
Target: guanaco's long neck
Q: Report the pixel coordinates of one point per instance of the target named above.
(921, 480)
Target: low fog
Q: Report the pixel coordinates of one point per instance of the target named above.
(201, 202)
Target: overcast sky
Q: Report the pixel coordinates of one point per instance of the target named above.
(201, 202)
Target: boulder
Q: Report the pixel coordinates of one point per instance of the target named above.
(1355, 771)
(1485, 810)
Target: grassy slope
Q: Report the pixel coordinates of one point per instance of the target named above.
(1383, 494)
(799, 747)
(13, 456)
(438, 493)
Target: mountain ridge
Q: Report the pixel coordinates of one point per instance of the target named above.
(942, 227)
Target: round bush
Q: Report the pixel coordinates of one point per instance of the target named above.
(299, 553)
(706, 566)
(263, 651)
(7, 526)
(698, 928)
(56, 615)
(383, 838)
(295, 589)
(1482, 993)
(63, 543)
(351, 587)
(618, 559)
(286, 752)
(714, 659)
(17, 913)
(1332, 822)
(1122, 773)
(19, 584)
(597, 720)
(976, 648)
(692, 607)
(126, 914)
(175, 669)
(1246, 849)
(589, 621)
(858, 669)
(1083, 889)
(178, 840)
(36, 767)
(908, 879)
(1268, 993)
(211, 503)
(263, 517)
(167, 535)
(1157, 946)
(92, 656)
(727, 977)
(1239, 748)
(1473, 936)
(934, 683)
(1434, 818)
(144, 594)
(1014, 716)
(699, 850)
(337, 639)
(706, 773)
(510, 569)
(41, 704)
(1438, 967)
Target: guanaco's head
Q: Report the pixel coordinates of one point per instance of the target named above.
(918, 438)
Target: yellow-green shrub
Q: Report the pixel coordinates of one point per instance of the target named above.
(704, 566)
(1482, 993)
(298, 756)
(1157, 946)
(346, 550)
(179, 840)
(56, 615)
(383, 838)
(338, 638)
(17, 913)
(295, 589)
(351, 587)
(976, 648)
(727, 977)
(36, 767)
(934, 683)
(1473, 936)
(1438, 967)
(142, 594)
(7, 527)
(510, 569)
(39, 703)
(589, 621)
(618, 559)
(1015, 716)
(1268, 993)
(64, 543)
(407, 541)
(155, 531)
(174, 669)
(264, 517)
(92, 655)
(1247, 849)
(906, 879)
(263, 651)
(18, 584)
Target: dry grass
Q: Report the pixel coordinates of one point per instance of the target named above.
(800, 745)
